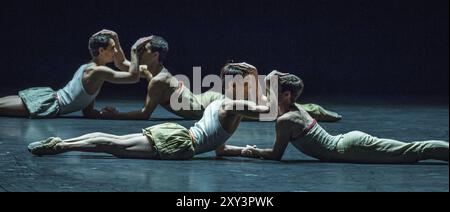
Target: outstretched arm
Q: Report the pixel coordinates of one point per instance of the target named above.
(252, 110)
(91, 113)
(228, 150)
(284, 130)
(154, 97)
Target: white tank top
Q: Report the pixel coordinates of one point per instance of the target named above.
(208, 132)
(73, 97)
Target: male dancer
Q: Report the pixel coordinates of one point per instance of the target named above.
(295, 126)
(81, 91)
(162, 85)
(173, 141)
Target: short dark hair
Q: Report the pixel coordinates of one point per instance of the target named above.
(234, 69)
(160, 45)
(97, 41)
(291, 83)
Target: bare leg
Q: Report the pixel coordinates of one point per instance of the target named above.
(99, 134)
(13, 106)
(134, 146)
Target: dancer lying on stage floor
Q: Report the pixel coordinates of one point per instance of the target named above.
(80, 93)
(172, 141)
(295, 126)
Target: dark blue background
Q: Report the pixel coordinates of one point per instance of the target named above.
(360, 47)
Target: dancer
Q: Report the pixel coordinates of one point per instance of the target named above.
(173, 141)
(81, 91)
(295, 126)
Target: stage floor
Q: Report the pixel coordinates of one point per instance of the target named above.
(21, 171)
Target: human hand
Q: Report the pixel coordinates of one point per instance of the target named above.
(140, 44)
(109, 112)
(249, 151)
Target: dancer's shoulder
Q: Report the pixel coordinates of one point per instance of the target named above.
(291, 118)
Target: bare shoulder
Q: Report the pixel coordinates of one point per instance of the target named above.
(290, 119)
(286, 118)
(163, 77)
(95, 70)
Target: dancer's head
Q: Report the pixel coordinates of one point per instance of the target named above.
(155, 51)
(102, 47)
(239, 80)
(290, 87)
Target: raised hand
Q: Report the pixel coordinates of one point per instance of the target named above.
(111, 33)
(140, 44)
(276, 73)
(251, 68)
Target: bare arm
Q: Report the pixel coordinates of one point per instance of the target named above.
(284, 130)
(104, 73)
(120, 61)
(250, 109)
(91, 113)
(228, 150)
(246, 108)
(154, 97)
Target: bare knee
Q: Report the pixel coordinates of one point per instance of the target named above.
(3, 101)
(98, 134)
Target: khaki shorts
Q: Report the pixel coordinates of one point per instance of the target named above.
(172, 141)
(41, 102)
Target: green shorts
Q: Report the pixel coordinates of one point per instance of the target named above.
(41, 102)
(319, 113)
(172, 141)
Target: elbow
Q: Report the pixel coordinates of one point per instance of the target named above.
(277, 158)
(135, 77)
(144, 115)
(144, 118)
(124, 66)
(221, 152)
(89, 115)
(273, 156)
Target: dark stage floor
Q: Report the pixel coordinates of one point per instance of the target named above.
(20, 171)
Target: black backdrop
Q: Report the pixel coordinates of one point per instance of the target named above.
(338, 47)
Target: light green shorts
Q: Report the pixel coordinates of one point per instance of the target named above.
(41, 102)
(172, 141)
